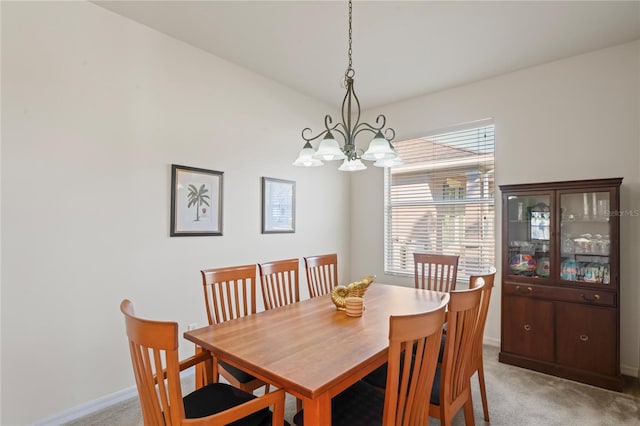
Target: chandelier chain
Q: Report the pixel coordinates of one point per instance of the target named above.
(349, 68)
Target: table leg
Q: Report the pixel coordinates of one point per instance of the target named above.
(317, 412)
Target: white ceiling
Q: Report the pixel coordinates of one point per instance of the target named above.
(401, 49)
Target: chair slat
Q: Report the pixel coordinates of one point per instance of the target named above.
(435, 271)
(279, 283)
(322, 273)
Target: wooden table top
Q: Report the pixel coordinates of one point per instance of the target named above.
(310, 348)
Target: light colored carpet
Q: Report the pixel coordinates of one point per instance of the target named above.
(517, 397)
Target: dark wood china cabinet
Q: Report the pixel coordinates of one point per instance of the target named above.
(561, 279)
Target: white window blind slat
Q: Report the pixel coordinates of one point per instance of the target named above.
(442, 200)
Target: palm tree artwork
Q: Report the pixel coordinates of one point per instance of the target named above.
(197, 197)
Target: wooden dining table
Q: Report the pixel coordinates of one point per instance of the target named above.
(311, 349)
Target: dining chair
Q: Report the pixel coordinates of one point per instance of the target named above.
(154, 355)
(279, 283)
(477, 363)
(431, 272)
(230, 293)
(280, 287)
(322, 273)
(452, 384)
(410, 375)
(435, 271)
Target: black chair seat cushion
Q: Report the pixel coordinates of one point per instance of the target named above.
(359, 405)
(242, 376)
(217, 397)
(435, 389)
(441, 353)
(378, 377)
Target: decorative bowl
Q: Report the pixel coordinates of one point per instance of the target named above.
(355, 289)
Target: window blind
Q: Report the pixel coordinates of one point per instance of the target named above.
(442, 200)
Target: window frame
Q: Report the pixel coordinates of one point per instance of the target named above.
(394, 264)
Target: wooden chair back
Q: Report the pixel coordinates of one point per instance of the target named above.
(435, 271)
(154, 353)
(477, 362)
(455, 373)
(485, 298)
(410, 372)
(229, 293)
(322, 273)
(279, 283)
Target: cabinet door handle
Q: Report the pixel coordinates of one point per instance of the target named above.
(527, 327)
(595, 297)
(522, 290)
(584, 337)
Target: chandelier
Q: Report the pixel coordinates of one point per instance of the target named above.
(380, 149)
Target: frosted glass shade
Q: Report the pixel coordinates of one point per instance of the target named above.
(379, 149)
(389, 163)
(352, 165)
(305, 158)
(329, 150)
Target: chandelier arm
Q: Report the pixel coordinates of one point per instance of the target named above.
(357, 122)
(327, 122)
(364, 127)
(380, 118)
(389, 133)
(393, 134)
(346, 108)
(312, 138)
(328, 128)
(342, 133)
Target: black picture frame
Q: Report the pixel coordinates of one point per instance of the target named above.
(278, 206)
(200, 188)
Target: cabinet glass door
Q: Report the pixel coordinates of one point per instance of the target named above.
(585, 237)
(528, 233)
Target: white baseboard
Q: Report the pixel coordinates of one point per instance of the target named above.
(629, 370)
(89, 407)
(491, 342)
(96, 405)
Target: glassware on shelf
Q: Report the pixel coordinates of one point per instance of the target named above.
(583, 244)
(568, 247)
(603, 209)
(606, 244)
(588, 272)
(569, 270)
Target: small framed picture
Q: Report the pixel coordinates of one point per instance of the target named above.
(278, 206)
(196, 201)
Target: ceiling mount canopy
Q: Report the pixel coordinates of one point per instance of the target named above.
(380, 149)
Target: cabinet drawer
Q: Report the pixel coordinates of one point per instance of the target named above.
(527, 327)
(586, 338)
(593, 297)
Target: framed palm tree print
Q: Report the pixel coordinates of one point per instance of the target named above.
(196, 201)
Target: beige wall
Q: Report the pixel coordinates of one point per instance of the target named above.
(572, 119)
(95, 109)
